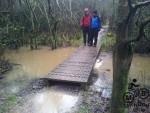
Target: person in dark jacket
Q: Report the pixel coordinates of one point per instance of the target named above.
(85, 25)
(95, 26)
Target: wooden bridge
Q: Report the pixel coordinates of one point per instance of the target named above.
(77, 68)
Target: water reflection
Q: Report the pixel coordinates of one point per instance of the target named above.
(47, 101)
(103, 68)
(53, 102)
(140, 69)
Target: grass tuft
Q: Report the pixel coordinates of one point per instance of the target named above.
(108, 41)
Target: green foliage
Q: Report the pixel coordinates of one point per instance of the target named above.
(83, 109)
(75, 40)
(72, 40)
(8, 103)
(23, 22)
(10, 33)
(108, 41)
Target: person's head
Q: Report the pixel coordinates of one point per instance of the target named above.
(94, 13)
(86, 11)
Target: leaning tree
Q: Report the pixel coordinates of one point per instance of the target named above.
(123, 50)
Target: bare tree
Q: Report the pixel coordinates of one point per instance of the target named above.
(122, 54)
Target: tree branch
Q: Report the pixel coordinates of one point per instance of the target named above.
(133, 9)
(130, 5)
(146, 38)
(141, 4)
(141, 31)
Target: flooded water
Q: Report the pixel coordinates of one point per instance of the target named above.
(140, 70)
(37, 63)
(103, 68)
(47, 101)
(33, 65)
(59, 98)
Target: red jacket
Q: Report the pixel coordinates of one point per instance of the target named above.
(85, 21)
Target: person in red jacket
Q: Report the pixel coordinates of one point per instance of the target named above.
(85, 25)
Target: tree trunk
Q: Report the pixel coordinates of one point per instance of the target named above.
(122, 54)
(122, 57)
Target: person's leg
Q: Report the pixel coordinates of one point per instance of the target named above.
(87, 34)
(95, 37)
(84, 36)
(94, 34)
(91, 37)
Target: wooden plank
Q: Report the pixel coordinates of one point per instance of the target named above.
(77, 67)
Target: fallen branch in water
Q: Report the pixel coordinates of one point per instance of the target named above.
(5, 66)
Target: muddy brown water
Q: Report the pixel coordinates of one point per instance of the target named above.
(47, 101)
(32, 65)
(37, 63)
(140, 70)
